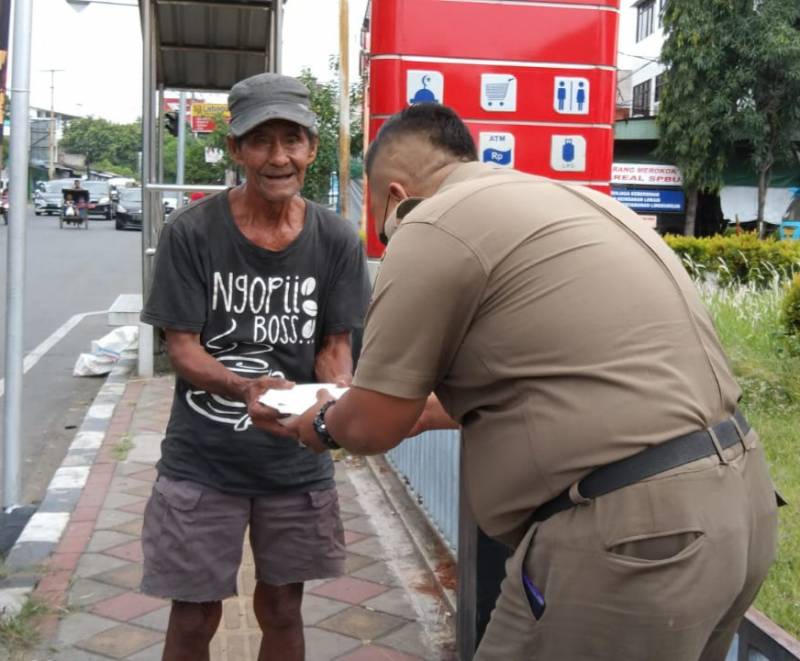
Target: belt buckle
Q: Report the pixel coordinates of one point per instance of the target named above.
(739, 432)
(575, 495)
(717, 446)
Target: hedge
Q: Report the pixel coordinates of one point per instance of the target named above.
(742, 258)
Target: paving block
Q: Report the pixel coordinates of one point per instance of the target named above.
(352, 506)
(135, 508)
(378, 653)
(103, 540)
(86, 591)
(80, 626)
(371, 546)
(119, 500)
(132, 527)
(132, 468)
(91, 564)
(362, 524)
(349, 589)
(316, 609)
(409, 639)
(157, 619)
(324, 645)
(128, 576)
(395, 602)
(153, 653)
(147, 446)
(121, 641)
(378, 572)
(353, 562)
(127, 606)
(130, 551)
(109, 518)
(361, 623)
(351, 537)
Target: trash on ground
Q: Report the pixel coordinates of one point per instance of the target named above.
(106, 351)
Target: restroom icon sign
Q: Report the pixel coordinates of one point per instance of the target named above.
(571, 95)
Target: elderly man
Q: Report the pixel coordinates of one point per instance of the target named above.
(601, 435)
(254, 287)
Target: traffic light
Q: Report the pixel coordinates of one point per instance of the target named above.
(171, 122)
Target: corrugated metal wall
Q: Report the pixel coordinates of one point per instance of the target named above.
(429, 463)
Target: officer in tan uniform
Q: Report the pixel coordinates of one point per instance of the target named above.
(601, 435)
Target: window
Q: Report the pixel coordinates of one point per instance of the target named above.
(641, 99)
(644, 19)
(659, 87)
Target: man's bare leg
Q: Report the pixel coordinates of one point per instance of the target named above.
(190, 630)
(277, 609)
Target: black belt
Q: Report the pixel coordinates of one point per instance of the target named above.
(652, 461)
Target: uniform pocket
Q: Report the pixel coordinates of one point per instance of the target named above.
(657, 549)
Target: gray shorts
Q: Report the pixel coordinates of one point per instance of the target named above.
(193, 538)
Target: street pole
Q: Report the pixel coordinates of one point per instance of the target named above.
(344, 109)
(181, 164)
(51, 138)
(278, 39)
(15, 294)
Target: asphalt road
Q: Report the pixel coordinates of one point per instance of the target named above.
(69, 272)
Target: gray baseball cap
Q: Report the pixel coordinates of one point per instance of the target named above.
(266, 96)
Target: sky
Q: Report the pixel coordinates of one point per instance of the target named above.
(99, 50)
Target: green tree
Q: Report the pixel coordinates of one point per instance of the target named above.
(324, 96)
(114, 146)
(770, 72)
(698, 117)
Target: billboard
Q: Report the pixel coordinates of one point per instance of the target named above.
(204, 115)
(534, 81)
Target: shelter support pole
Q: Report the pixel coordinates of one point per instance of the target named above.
(344, 109)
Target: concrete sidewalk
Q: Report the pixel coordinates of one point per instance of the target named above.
(382, 609)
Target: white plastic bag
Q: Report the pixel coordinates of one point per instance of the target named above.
(106, 351)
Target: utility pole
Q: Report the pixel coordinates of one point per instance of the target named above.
(344, 109)
(181, 164)
(15, 282)
(51, 139)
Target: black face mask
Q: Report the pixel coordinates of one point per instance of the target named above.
(382, 236)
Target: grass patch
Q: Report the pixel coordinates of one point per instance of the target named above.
(120, 450)
(767, 364)
(20, 632)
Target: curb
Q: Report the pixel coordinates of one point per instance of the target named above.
(43, 531)
(417, 525)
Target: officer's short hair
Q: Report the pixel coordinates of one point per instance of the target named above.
(436, 122)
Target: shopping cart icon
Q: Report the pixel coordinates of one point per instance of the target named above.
(498, 92)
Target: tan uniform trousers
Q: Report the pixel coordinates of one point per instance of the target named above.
(663, 569)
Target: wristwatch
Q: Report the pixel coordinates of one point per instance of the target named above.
(322, 429)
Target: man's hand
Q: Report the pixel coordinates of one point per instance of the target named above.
(264, 417)
(302, 427)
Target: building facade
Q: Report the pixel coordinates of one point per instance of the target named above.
(644, 182)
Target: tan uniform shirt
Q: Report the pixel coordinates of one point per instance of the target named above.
(560, 331)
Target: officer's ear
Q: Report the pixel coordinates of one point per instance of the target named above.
(397, 191)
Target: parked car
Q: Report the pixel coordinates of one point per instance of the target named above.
(47, 197)
(100, 198)
(129, 209)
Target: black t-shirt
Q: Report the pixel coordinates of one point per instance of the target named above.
(260, 313)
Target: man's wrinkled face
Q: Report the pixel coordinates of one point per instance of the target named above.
(275, 156)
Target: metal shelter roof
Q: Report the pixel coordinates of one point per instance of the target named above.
(212, 44)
